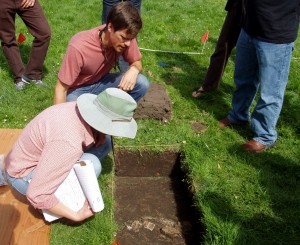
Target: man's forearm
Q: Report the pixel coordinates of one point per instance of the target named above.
(60, 93)
(136, 65)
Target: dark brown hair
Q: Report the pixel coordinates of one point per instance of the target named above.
(125, 16)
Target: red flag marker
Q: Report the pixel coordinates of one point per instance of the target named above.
(21, 38)
(204, 37)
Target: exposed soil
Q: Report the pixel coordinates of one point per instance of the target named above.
(198, 127)
(153, 204)
(155, 104)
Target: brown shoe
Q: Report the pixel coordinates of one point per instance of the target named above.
(254, 146)
(226, 123)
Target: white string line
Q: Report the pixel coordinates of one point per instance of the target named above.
(166, 51)
(178, 52)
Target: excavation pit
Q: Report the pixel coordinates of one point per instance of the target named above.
(153, 204)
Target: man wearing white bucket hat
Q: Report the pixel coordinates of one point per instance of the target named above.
(58, 137)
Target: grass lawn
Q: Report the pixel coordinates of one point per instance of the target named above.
(244, 198)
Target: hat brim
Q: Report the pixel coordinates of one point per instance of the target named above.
(101, 122)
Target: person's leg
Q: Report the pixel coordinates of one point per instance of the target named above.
(72, 95)
(111, 80)
(20, 184)
(107, 4)
(245, 78)
(226, 42)
(94, 160)
(274, 63)
(101, 151)
(36, 22)
(8, 9)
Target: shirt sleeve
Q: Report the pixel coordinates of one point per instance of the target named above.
(57, 159)
(71, 66)
(132, 53)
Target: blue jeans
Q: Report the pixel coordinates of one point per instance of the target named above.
(264, 66)
(111, 80)
(106, 6)
(21, 184)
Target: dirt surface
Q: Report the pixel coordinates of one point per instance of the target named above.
(155, 104)
(153, 205)
(198, 127)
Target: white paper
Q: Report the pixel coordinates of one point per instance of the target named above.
(89, 184)
(80, 184)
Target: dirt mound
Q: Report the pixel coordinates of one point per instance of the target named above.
(155, 104)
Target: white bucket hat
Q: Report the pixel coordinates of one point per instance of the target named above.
(110, 112)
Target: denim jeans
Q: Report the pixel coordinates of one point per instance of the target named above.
(106, 6)
(111, 80)
(21, 184)
(260, 66)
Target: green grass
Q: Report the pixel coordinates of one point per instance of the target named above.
(244, 198)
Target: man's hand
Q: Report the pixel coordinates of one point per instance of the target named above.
(128, 81)
(27, 4)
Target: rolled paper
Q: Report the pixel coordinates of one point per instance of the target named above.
(89, 184)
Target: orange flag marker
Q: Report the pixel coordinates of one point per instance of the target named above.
(204, 39)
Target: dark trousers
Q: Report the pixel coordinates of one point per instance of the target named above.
(36, 22)
(226, 42)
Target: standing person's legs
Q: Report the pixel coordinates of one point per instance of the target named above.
(37, 24)
(111, 80)
(107, 4)
(274, 62)
(245, 78)
(8, 9)
(226, 42)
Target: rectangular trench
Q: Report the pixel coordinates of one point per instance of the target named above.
(152, 202)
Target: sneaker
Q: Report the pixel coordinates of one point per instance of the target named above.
(39, 83)
(2, 179)
(21, 85)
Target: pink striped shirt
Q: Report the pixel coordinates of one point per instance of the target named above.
(50, 144)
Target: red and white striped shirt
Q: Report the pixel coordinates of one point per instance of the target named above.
(51, 144)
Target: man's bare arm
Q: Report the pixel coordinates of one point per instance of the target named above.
(60, 92)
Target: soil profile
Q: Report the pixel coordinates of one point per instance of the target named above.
(153, 205)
